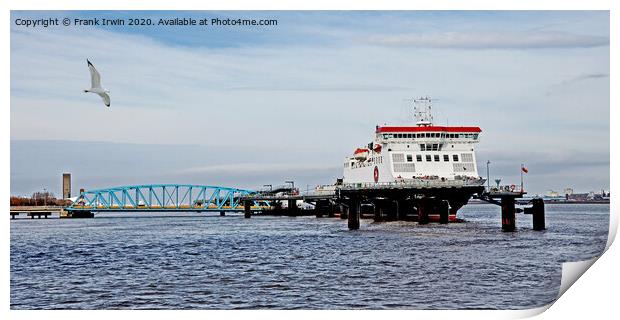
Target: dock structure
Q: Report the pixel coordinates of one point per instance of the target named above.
(506, 199)
(34, 211)
(421, 201)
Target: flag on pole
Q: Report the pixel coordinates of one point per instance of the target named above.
(524, 169)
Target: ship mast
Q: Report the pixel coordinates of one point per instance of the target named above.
(422, 108)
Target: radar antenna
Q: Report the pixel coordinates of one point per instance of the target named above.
(422, 111)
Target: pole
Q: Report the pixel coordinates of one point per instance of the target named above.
(488, 179)
(521, 177)
(292, 185)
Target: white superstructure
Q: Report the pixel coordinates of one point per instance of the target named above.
(417, 152)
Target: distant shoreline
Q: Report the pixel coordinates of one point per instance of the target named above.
(474, 201)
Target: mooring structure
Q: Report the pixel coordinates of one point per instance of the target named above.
(421, 201)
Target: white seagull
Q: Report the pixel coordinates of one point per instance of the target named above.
(95, 85)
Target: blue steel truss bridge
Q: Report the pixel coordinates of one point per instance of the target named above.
(164, 197)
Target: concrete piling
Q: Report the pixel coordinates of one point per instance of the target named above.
(318, 209)
(508, 214)
(402, 207)
(292, 207)
(444, 211)
(538, 214)
(391, 211)
(423, 208)
(378, 212)
(247, 208)
(330, 210)
(354, 215)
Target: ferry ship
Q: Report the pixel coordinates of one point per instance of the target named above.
(421, 154)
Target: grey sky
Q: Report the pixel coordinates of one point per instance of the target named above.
(246, 108)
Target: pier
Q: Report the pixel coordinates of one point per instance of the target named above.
(420, 201)
(506, 199)
(423, 201)
(34, 211)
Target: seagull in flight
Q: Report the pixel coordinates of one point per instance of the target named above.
(95, 84)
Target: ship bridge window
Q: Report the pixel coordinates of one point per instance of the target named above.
(436, 158)
(428, 135)
(455, 157)
(428, 158)
(475, 136)
(418, 157)
(446, 158)
(430, 147)
(409, 158)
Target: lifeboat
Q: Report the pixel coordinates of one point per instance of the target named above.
(360, 154)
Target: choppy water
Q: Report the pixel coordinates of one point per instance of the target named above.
(193, 261)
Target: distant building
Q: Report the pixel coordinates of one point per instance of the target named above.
(66, 185)
(568, 191)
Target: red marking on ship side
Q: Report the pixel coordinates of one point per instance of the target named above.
(428, 129)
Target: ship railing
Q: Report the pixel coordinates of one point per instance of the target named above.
(320, 192)
(415, 184)
(504, 188)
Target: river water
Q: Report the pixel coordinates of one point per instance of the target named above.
(203, 261)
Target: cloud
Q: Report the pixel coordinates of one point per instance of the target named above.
(296, 102)
(326, 88)
(569, 84)
(491, 40)
(243, 168)
(583, 77)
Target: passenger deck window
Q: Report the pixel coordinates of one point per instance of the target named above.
(455, 157)
(428, 158)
